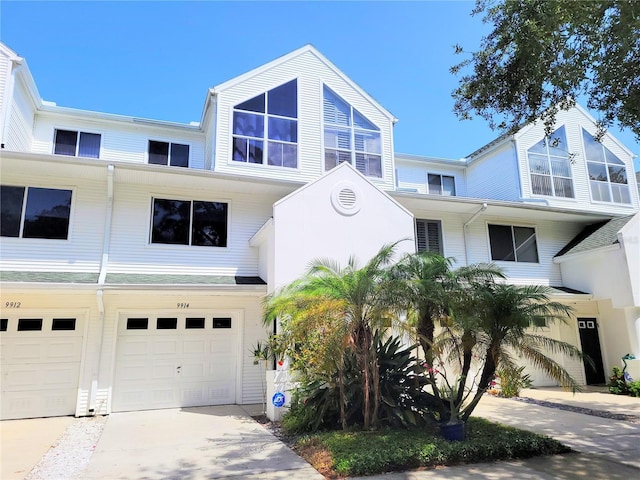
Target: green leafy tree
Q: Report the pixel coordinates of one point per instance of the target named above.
(542, 54)
(340, 309)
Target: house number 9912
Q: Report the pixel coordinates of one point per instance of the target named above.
(12, 304)
(183, 305)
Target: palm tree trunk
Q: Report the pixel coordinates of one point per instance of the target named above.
(489, 370)
(343, 416)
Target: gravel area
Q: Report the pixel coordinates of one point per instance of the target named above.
(583, 410)
(70, 455)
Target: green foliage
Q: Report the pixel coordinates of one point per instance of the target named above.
(513, 380)
(369, 453)
(634, 389)
(618, 385)
(541, 54)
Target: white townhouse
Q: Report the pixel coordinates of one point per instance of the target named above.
(135, 253)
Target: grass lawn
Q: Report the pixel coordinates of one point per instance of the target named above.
(337, 454)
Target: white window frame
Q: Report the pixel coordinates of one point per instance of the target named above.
(79, 132)
(606, 167)
(169, 142)
(441, 175)
(551, 175)
(513, 239)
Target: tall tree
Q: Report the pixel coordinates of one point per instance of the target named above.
(542, 54)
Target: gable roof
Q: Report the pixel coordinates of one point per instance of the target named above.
(594, 236)
(285, 58)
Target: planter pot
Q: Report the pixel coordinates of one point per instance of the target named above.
(452, 431)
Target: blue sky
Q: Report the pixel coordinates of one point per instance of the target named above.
(157, 59)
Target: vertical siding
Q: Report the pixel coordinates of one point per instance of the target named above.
(18, 136)
(311, 74)
(495, 175)
(82, 251)
(132, 253)
(574, 121)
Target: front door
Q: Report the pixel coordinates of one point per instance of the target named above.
(590, 342)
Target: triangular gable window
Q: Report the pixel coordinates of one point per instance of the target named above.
(550, 166)
(271, 120)
(350, 137)
(607, 173)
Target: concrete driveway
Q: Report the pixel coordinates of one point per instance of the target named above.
(190, 443)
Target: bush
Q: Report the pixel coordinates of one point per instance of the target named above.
(368, 453)
(513, 380)
(618, 384)
(634, 389)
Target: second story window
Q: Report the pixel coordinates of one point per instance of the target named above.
(32, 212)
(265, 128)
(550, 167)
(165, 153)
(513, 244)
(189, 222)
(441, 185)
(77, 144)
(350, 137)
(607, 173)
(429, 236)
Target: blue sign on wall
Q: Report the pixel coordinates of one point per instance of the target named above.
(278, 399)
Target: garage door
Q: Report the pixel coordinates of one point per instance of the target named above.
(40, 364)
(167, 361)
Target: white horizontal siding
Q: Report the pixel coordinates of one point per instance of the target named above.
(131, 251)
(412, 176)
(311, 74)
(123, 143)
(574, 121)
(18, 136)
(5, 100)
(495, 175)
(82, 251)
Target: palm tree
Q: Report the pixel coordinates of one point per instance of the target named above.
(347, 304)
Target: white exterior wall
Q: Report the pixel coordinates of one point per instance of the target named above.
(82, 251)
(574, 121)
(5, 89)
(311, 74)
(308, 227)
(18, 134)
(132, 252)
(495, 175)
(413, 176)
(122, 142)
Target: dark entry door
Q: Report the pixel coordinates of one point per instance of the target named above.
(591, 346)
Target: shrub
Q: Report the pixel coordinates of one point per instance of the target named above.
(634, 389)
(617, 383)
(513, 380)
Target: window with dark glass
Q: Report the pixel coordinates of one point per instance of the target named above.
(77, 144)
(513, 244)
(33, 212)
(265, 128)
(194, 323)
(63, 324)
(166, 323)
(189, 222)
(29, 324)
(429, 236)
(441, 185)
(350, 137)
(137, 323)
(3, 324)
(165, 153)
(607, 173)
(550, 166)
(222, 322)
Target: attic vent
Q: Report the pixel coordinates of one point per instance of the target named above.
(346, 198)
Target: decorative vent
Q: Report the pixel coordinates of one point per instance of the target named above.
(346, 198)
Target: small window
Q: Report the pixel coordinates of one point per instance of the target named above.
(29, 324)
(186, 222)
(221, 323)
(540, 322)
(166, 323)
(45, 214)
(165, 153)
(77, 144)
(3, 324)
(63, 324)
(194, 323)
(441, 185)
(513, 244)
(429, 236)
(137, 323)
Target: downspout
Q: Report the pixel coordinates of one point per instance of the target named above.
(100, 292)
(465, 231)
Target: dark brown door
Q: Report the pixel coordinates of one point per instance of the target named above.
(590, 342)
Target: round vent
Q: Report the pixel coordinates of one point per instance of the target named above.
(345, 198)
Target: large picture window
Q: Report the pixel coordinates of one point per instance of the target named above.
(189, 222)
(77, 144)
(607, 173)
(550, 166)
(513, 244)
(350, 137)
(32, 212)
(265, 128)
(429, 236)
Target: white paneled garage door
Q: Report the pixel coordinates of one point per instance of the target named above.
(167, 361)
(40, 364)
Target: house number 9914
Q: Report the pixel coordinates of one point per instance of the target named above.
(182, 305)
(12, 304)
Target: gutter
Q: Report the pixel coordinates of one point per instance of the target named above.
(465, 232)
(93, 393)
(107, 227)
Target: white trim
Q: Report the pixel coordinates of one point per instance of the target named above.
(594, 251)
